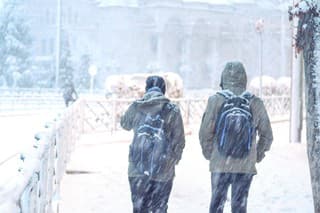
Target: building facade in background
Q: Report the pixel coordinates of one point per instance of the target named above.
(193, 39)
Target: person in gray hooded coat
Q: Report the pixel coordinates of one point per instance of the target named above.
(226, 170)
(150, 187)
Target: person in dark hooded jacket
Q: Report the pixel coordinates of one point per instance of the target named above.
(226, 171)
(69, 94)
(150, 191)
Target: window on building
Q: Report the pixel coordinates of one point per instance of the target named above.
(76, 17)
(43, 47)
(52, 18)
(63, 17)
(154, 43)
(69, 14)
(51, 45)
(47, 16)
(74, 41)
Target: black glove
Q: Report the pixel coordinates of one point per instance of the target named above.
(260, 156)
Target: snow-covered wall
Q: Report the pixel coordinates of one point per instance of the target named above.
(30, 180)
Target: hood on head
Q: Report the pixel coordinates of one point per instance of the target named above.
(234, 77)
(155, 82)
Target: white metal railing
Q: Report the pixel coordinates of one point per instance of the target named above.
(102, 114)
(37, 172)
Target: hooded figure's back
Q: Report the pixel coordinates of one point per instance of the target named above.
(234, 78)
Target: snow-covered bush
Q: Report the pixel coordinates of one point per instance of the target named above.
(133, 85)
(271, 86)
(268, 85)
(283, 86)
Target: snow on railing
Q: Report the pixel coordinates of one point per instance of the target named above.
(26, 100)
(30, 181)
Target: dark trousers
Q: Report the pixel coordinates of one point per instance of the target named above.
(148, 195)
(240, 184)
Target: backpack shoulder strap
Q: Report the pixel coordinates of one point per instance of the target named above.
(164, 110)
(226, 94)
(247, 95)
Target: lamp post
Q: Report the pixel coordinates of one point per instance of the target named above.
(296, 112)
(259, 29)
(92, 72)
(58, 35)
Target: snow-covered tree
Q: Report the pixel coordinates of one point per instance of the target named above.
(66, 66)
(82, 79)
(307, 40)
(15, 42)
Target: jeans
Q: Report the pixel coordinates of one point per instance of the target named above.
(149, 196)
(240, 184)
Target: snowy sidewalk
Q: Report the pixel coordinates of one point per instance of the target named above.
(96, 181)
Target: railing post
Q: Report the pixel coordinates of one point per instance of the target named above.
(82, 115)
(188, 102)
(114, 116)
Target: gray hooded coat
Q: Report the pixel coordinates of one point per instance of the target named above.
(234, 78)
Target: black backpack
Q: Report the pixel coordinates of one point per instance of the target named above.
(234, 127)
(148, 150)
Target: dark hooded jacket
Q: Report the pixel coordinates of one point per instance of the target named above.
(69, 93)
(234, 79)
(151, 103)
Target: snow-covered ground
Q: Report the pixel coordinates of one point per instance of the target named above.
(97, 178)
(18, 130)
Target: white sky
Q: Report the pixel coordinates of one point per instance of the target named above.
(221, 1)
(123, 2)
(264, 3)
